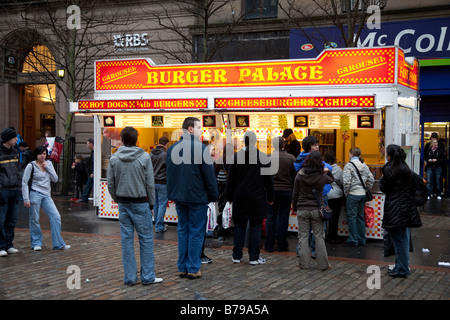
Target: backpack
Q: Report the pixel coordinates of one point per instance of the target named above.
(421, 190)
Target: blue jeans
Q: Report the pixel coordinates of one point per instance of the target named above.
(400, 239)
(434, 178)
(240, 227)
(9, 202)
(159, 209)
(39, 200)
(88, 189)
(355, 220)
(137, 216)
(278, 221)
(191, 229)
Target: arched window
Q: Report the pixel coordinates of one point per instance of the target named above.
(40, 59)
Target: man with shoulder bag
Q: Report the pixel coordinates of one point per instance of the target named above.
(357, 181)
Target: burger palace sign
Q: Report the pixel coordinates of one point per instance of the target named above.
(336, 67)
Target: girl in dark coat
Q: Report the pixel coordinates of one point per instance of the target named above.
(312, 175)
(400, 212)
(249, 189)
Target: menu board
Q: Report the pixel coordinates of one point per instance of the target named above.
(264, 121)
(332, 120)
(176, 120)
(324, 121)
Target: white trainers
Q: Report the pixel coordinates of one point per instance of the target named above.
(438, 197)
(259, 261)
(12, 250)
(66, 247)
(235, 260)
(392, 266)
(3, 253)
(157, 280)
(37, 248)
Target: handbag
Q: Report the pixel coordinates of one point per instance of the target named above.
(369, 216)
(325, 211)
(369, 195)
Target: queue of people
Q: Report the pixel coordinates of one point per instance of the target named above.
(141, 183)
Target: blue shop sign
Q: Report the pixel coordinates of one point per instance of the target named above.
(427, 38)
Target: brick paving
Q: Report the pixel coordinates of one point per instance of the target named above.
(43, 275)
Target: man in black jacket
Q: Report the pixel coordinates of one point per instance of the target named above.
(9, 190)
(90, 171)
(159, 158)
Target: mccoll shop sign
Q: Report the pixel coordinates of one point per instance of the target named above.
(418, 38)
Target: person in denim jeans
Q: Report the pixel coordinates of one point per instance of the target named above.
(159, 158)
(191, 184)
(355, 193)
(131, 185)
(41, 173)
(435, 157)
(9, 190)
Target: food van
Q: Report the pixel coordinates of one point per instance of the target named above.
(364, 97)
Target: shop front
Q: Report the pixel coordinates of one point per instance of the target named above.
(346, 97)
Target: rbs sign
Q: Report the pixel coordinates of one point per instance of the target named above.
(131, 42)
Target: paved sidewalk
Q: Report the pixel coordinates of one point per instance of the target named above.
(44, 275)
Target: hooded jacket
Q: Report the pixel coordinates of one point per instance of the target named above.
(130, 176)
(399, 206)
(298, 164)
(159, 159)
(10, 175)
(303, 198)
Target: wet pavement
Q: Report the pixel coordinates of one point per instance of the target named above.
(431, 242)
(278, 285)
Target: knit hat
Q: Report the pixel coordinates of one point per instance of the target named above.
(8, 134)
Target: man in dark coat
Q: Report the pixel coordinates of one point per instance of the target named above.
(292, 145)
(278, 213)
(159, 157)
(191, 184)
(10, 184)
(249, 189)
(90, 172)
